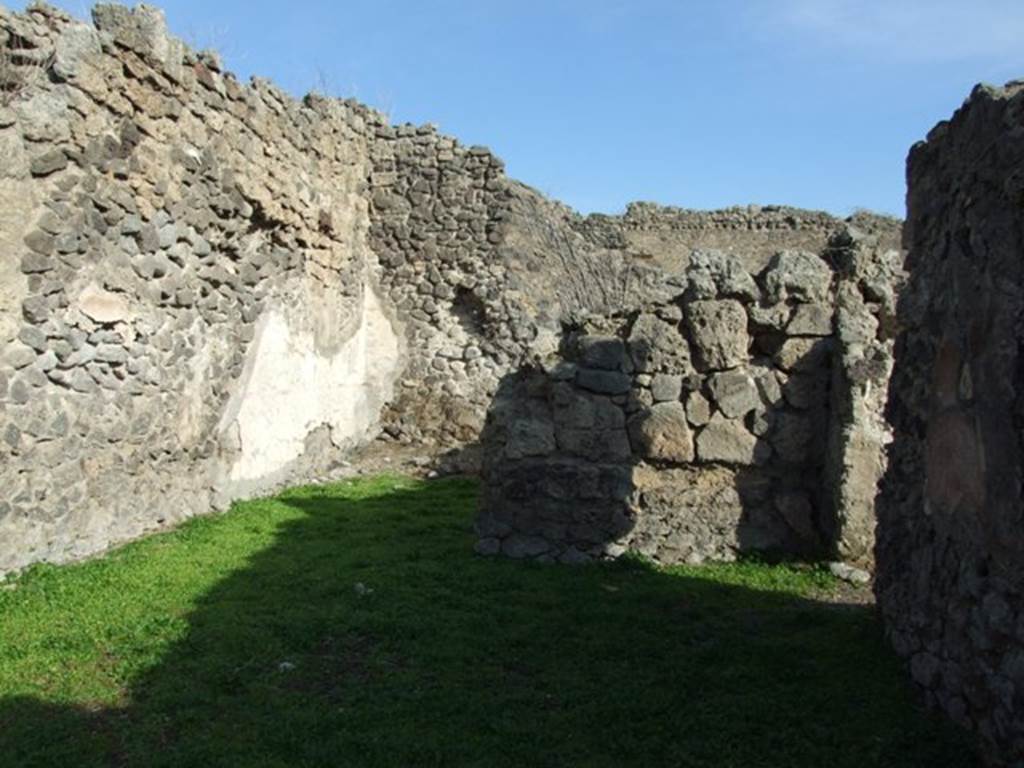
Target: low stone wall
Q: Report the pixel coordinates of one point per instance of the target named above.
(950, 553)
(699, 426)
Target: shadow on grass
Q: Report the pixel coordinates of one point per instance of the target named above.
(369, 635)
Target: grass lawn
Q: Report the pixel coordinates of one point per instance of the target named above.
(351, 625)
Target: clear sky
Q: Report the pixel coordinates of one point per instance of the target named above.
(701, 104)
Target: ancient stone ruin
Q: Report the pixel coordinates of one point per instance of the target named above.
(209, 289)
(950, 516)
(727, 413)
(213, 289)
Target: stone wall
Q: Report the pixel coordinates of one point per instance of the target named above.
(487, 273)
(950, 548)
(208, 288)
(188, 311)
(868, 277)
(665, 236)
(726, 414)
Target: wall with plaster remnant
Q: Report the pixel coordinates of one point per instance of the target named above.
(210, 288)
(188, 297)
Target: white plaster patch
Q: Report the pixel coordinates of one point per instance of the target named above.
(17, 202)
(293, 389)
(103, 306)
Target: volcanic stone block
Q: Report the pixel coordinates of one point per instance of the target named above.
(714, 274)
(798, 276)
(36, 263)
(666, 387)
(520, 546)
(804, 354)
(572, 408)
(603, 382)
(595, 444)
(530, 438)
(719, 332)
(40, 242)
(604, 352)
(805, 390)
(33, 337)
(792, 436)
(798, 512)
(49, 162)
(811, 320)
(656, 345)
(734, 392)
(728, 441)
(698, 409)
(662, 433)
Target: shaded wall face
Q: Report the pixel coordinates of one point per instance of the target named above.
(951, 532)
(692, 429)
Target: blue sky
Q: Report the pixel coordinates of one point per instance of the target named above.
(598, 102)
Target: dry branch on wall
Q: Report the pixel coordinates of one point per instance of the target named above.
(23, 68)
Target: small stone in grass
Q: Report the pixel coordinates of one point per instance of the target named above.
(849, 573)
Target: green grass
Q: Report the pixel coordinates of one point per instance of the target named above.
(243, 640)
